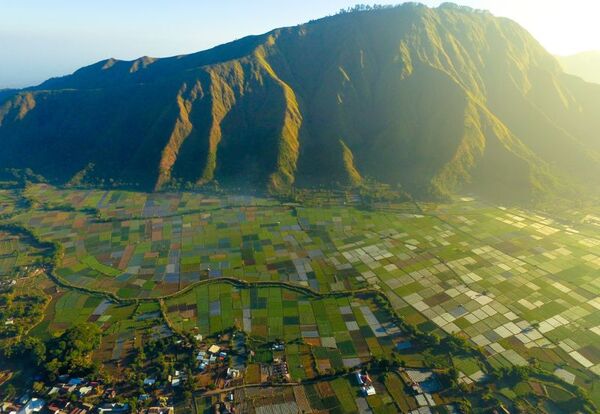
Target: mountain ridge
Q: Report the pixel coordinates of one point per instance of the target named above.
(428, 99)
(586, 65)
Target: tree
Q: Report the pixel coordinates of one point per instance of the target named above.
(29, 348)
(512, 375)
(38, 387)
(449, 378)
(70, 353)
(11, 392)
(35, 348)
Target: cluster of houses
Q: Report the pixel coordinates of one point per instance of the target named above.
(365, 383)
(67, 396)
(279, 369)
(224, 407)
(217, 356)
(211, 356)
(72, 396)
(7, 284)
(31, 271)
(24, 405)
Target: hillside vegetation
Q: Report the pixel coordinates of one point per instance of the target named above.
(432, 100)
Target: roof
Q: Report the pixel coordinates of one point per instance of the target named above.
(35, 405)
(214, 349)
(370, 390)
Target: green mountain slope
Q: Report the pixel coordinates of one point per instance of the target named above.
(586, 65)
(435, 100)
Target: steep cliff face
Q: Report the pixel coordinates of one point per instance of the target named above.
(436, 100)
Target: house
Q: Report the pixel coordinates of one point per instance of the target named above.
(176, 379)
(83, 391)
(214, 349)
(149, 381)
(160, 410)
(233, 373)
(113, 408)
(368, 390)
(58, 406)
(79, 410)
(8, 407)
(109, 394)
(35, 405)
(363, 379)
(365, 382)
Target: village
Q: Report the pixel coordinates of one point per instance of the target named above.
(218, 377)
(217, 368)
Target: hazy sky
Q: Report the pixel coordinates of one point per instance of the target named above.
(44, 38)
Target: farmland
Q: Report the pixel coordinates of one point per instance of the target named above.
(339, 284)
(341, 332)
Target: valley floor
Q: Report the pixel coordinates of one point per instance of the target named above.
(440, 304)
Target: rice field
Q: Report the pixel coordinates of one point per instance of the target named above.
(7, 202)
(521, 285)
(338, 396)
(340, 332)
(18, 253)
(125, 327)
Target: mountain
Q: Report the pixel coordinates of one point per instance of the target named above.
(7, 93)
(435, 100)
(586, 65)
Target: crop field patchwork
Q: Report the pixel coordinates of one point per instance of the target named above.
(7, 202)
(519, 285)
(17, 255)
(343, 332)
(121, 324)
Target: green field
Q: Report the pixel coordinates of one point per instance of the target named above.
(519, 285)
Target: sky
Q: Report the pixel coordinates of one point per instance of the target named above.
(40, 39)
